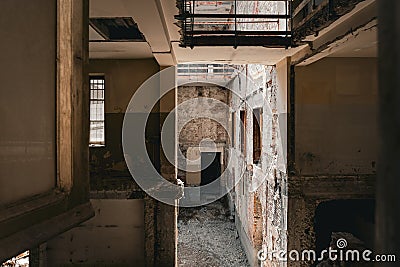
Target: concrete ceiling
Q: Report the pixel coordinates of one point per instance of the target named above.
(241, 55)
(358, 36)
(147, 15)
(101, 49)
(155, 19)
(119, 50)
(363, 45)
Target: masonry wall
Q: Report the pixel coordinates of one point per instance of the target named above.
(193, 131)
(260, 194)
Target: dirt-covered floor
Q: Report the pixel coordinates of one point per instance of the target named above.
(207, 238)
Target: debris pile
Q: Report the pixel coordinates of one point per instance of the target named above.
(208, 238)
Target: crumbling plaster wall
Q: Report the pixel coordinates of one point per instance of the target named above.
(260, 195)
(194, 131)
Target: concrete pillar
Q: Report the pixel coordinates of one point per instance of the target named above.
(388, 184)
(38, 256)
(166, 215)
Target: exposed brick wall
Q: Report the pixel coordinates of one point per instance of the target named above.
(261, 208)
(198, 129)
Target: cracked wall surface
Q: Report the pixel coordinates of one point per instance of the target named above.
(260, 196)
(193, 131)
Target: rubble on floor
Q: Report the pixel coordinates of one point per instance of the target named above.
(208, 238)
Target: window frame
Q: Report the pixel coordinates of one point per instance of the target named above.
(243, 126)
(92, 77)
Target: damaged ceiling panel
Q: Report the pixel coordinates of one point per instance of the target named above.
(122, 29)
(310, 17)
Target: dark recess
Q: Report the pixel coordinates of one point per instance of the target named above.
(117, 29)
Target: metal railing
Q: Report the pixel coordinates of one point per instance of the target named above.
(235, 23)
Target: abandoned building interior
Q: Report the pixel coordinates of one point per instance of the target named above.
(286, 131)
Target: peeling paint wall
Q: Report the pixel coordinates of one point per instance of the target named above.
(260, 196)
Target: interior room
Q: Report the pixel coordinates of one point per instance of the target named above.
(199, 133)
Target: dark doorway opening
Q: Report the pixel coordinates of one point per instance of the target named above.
(210, 167)
(356, 217)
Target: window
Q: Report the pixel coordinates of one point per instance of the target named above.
(233, 125)
(243, 131)
(257, 141)
(210, 69)
(97, 122)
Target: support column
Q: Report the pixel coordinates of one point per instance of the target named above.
(38, 256)
(388, 184)
(166, 215)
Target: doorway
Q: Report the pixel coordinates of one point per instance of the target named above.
(210, 167)
(210, 171)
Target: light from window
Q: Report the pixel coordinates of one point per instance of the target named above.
(97, 121)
